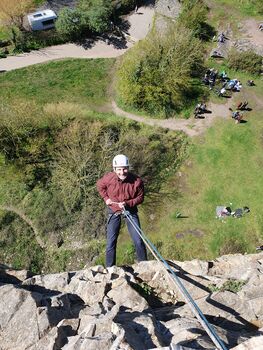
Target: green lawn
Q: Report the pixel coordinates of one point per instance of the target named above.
(224, 168)
(82, 81)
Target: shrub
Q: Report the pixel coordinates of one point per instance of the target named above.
(157, 74)
(98, 13)
(247, 61)
(194, 17)
(231, 285)
(2, 54)
(72, 23)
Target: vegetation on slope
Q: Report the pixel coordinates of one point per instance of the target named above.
(53, 148)
(51, 158)
(160, 75)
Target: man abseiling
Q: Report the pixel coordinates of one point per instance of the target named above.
(122, 190)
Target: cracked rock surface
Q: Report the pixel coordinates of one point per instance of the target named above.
(134, 307)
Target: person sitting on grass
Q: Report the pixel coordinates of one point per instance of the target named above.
(222, 92)
(250, 83)
(242, 105)
(200, 108)
(237, 86)
(237, 116)
(223, 76)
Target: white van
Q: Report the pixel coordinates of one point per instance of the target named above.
(41, 20)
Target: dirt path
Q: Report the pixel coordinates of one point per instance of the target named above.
(253, 34)
(140, 24)
(192, 127)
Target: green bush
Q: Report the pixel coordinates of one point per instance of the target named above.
(2, 54)
(247, 61)
(157, 75)
(98, 13)
(18, 246)
(49, 170)
(72, 23)
(194, 17)
(231, 285)
(27, 41)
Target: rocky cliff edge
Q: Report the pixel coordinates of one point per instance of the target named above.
(133, 307)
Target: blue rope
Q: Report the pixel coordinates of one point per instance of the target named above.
(215, 338)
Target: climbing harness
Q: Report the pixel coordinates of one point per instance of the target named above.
(190, 301)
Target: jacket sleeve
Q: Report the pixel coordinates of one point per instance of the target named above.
(139, 194)
(102, 187)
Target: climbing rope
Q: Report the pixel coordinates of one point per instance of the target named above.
(190, 301)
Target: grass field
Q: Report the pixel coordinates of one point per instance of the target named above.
(82, 81)
(224, 168)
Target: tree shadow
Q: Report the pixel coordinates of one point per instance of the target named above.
(87, 43)
(123, 25)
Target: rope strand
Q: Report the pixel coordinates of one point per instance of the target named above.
(190, 301)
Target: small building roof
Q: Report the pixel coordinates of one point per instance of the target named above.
(44, 14)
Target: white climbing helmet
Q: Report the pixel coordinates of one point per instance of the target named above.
(120, 161)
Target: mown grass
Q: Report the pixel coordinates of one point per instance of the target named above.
(82, 81)
(224, 168)
(243, 7)
(232, 11)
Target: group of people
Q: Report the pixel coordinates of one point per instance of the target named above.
(222, 212)
(200, 108)
(234, 85)
(241, 106)
(210, 77)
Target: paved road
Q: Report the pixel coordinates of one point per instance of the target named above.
(140, 24)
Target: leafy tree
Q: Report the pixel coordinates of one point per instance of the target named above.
(50, 164)
(71, 23)
(194, 17)
(98, 13)
(157, 74)
(13, 11)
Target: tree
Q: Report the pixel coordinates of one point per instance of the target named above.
(98, 13)
(157, 74)
(13, 11)
(194, 17)
(71, 23)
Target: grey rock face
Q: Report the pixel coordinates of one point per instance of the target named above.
(136, 307)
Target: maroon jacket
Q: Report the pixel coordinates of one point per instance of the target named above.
(130, 190)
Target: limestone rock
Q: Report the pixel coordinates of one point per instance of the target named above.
(137, 307)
